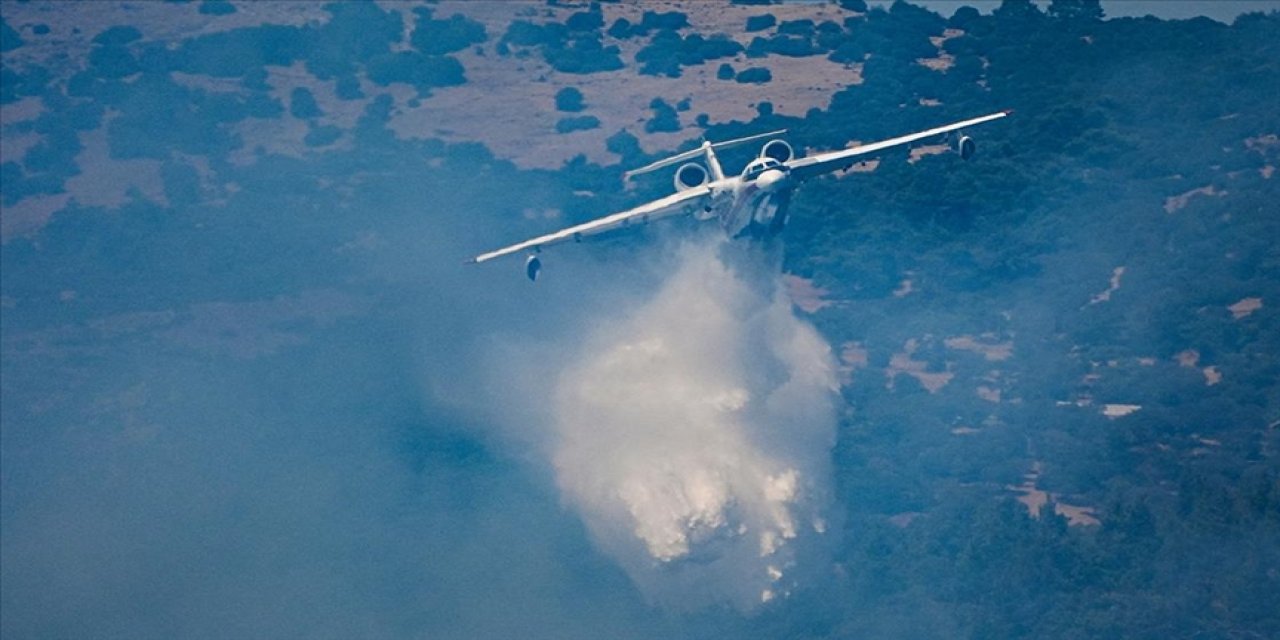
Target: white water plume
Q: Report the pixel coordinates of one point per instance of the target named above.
(694, 436)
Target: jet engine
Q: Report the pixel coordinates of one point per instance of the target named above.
(965, 147)
(691, 176)
(778, 150)
(532, 266)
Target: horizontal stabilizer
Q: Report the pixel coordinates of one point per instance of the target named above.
(698, 152)
(666, 162)
(738, 141)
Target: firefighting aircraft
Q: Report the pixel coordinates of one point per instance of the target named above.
(752, 204)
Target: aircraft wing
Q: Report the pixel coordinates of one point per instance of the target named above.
(673, 204)
(809, 166)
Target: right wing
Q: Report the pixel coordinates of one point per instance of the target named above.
(675, 203)
(809, 166)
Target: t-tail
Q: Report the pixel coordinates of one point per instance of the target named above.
(706, 151)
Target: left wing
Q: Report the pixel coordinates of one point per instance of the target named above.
(807, 167)
(675, 203)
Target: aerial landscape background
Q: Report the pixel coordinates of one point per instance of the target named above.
(250, 390)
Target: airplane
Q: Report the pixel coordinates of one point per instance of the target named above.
(752, 204)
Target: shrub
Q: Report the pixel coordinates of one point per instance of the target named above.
(583, 55)
(413, 68)
(670, 20)
(754, 75)
(437, 37)
(760, 23)
(621, 29)
(569, 99)
(585, 21)
(797, 28)
(577, 123)
(322, 136)
(625, 145)
(664, 117)
(217, 8)
(302, 104)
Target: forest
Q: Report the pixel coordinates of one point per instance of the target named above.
(1061, 412)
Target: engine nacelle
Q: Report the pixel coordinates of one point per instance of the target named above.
(532, 266)
(965, 147)
(691, 176)
(778, 150)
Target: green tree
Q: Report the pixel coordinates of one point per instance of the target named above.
(760, 23)
(578, 123)
(1076, 9)
(664, 118)
(569, 99)
(755, 75)
(302, 104)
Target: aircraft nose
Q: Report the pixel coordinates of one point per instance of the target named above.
(771, 180)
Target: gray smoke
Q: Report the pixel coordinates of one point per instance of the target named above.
(693, 435)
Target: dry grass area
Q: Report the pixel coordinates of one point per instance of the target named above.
(927, 150)
(1034, 499)
(1077, 516)
(866, 166)
(944, 60)
(1187, 358)
(1262, 144)
(29, 214)
(102, 181)
(804, 294)
(986, 345)
(1112, 286)
(74, 23)
(1114, 411)
(509, 103)
(902, 364)
(1245, 307)
(1174, 203)
(853, 356)
(903, 520)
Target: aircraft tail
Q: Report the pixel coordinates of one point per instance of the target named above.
(699, 152)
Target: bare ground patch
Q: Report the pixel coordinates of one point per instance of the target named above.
(1112, 287)
(853, 356)
(901, 363)
(943, 61)
(804, 294)
(986, 345)
(1174, 203)
(1243, 308)
(1035, 499)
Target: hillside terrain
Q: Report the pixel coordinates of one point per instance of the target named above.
(231, 244)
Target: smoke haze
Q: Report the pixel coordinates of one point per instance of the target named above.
(693, 435)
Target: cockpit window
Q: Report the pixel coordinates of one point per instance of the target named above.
(758, 166)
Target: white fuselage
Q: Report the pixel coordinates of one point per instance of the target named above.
(753, 204)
